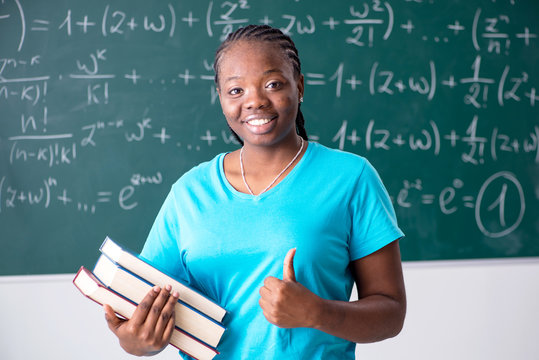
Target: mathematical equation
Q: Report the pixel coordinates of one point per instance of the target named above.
(129, 88)
(500, 197)
(492, 197)
(477, 145)
(61, 149)
(49, 192)
(431, 140)
(476, 89)
(366, 22)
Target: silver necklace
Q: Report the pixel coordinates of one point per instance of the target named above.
(275, 179)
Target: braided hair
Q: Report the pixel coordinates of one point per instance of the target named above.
(269, 34)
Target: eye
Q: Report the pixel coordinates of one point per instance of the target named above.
(235, 91)
(274, 85)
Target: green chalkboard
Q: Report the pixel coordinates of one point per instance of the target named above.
(103, 105)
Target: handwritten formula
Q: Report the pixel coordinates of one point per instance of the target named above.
(104, 105)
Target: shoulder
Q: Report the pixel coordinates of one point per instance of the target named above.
(351, 172)
(202, 173)
(337, 161)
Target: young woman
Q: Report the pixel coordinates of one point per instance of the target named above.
(277, 231)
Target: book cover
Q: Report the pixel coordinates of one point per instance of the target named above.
(90, 286)
(144, 269)
(135, 288)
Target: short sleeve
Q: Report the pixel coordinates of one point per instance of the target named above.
(374, 224)
(161, 247)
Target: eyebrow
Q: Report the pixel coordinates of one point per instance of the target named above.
(270, 71)
(267, 72)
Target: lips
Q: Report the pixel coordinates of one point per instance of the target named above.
(260, 124)
(259, 120)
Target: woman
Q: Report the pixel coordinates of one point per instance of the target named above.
(277, 231)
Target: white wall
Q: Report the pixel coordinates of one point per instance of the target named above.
(467, 310)
(456, 310)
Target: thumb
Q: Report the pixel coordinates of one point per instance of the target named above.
(113, 321)
(288, 266)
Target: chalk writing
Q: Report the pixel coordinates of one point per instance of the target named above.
(508, 206)
(103, 107)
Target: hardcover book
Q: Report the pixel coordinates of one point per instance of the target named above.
(91, 287)
(135, 288)
(148, 272)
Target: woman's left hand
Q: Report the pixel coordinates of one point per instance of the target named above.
(286, 303)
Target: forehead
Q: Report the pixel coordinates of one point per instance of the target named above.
(255, 56)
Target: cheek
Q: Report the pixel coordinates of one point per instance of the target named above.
(231, 112)
(287, 104)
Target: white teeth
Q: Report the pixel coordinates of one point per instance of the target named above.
(258, 122)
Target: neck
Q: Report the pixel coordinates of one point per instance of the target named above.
(268, 159)
(265, 173)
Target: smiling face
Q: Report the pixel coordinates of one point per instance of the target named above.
(259, 92)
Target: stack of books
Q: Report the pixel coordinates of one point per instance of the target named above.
(122, 279)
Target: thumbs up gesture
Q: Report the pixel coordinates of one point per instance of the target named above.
(286, 303)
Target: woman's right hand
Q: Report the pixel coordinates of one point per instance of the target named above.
(149, 330)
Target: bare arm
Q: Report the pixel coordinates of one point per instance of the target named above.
(381, 306)
(377, 314)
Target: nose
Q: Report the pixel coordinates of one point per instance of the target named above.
(256, 99)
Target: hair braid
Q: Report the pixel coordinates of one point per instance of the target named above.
(264, 33)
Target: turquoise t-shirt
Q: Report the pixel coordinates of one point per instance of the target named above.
(332, 207)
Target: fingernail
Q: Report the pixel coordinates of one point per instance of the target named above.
(168, 288)
(175, 294)
(156, 289)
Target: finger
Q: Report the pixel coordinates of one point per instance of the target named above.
(264, 292)
(113, 321)
(142, 310)
(270, 282)
(288, 266)
(170, 326)
(268, 317)
(167, 313)
(156, 309)
(264, 305)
